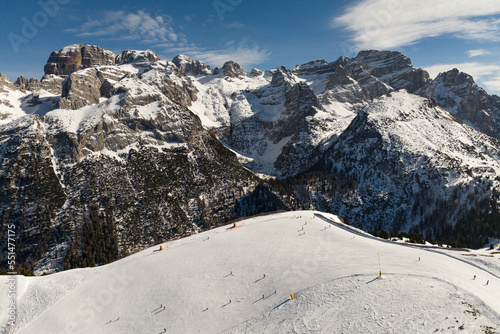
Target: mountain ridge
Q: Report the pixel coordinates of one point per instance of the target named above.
(146, 150)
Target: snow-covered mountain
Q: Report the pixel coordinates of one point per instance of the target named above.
(408, 156)
(143, 150)
(239, 280)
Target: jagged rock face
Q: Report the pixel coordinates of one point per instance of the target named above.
(233, 70)
(190, 66)
(255, 73)
(393, 68)
(6, 83)
(52, 83)
(350, 85)
(34, 84)
(318, 67)
(80, 89)
(458, 93)
(301, 105)
(133, 56)
(22, 82)
(282, 76)
(93, 56)
(172, 82)
(76, 57)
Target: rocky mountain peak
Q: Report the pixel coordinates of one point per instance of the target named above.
(75, 57)
(232, 69)
(190, 66)
(312, 67)
(392, 68)
(457, 92)
(255, 73)
(22, 82)
(281, 76)
(135, 56)
(455, 78)
(383, 62)
(6, 83)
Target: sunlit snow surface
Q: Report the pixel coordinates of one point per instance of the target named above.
(332, 271)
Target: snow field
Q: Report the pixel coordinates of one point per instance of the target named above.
(332, 271)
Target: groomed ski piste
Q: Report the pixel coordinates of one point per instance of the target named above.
(240, 280)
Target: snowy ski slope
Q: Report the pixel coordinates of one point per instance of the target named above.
(331, 270)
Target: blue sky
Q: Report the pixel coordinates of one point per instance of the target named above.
(436, 34)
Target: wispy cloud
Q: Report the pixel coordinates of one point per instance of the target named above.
(477, 53)
(477, 70)
(487, 75)
(163, 35)
(235, 25)
(120, 25)
(388, 24)
(242, 52)
(493, 84)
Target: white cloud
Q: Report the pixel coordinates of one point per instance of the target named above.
(485, 75)
(476, 70)
(493, 84)
(120, 25)
(244, 54)
(160, 31)
(388, 24)
(477, 53)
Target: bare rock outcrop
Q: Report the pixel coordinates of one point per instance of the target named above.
(189, 66)
(233, 70)
(80, 89)
(6, 83)
(134, 56)
(76, 57)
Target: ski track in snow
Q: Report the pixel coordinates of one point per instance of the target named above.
(332, 272)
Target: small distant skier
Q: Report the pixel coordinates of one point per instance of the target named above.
(231, 273)
(163, 307)
(474, 277)
(262, 296)
(264, 276)
(488, 281)
(229, 301)
(419, 258)
(302, 228)
(274, 291)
